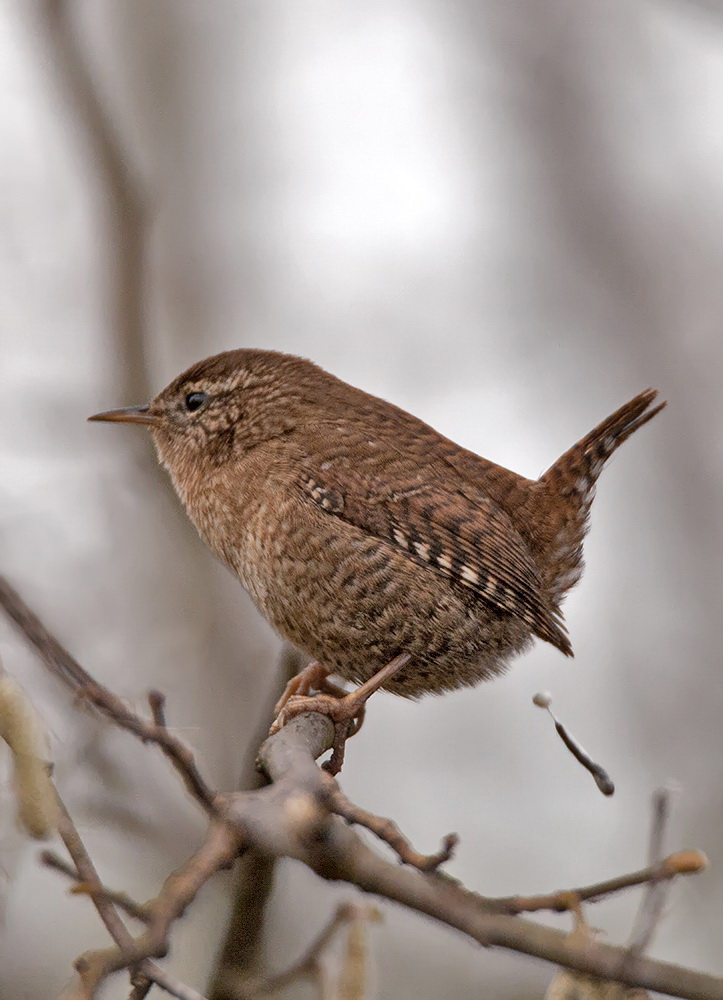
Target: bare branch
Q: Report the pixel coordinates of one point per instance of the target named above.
(58, 660)
(238, 959)
(345, 857)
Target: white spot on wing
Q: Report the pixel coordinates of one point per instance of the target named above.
(400, 538)
(422, 550)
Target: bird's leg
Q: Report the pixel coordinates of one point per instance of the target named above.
(314, 677)
(345, 711)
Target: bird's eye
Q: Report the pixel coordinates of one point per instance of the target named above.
(195, 400)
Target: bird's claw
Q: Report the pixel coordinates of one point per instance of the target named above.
(314, 677)
(346, 711)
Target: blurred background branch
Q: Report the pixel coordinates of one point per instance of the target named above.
(124, 210)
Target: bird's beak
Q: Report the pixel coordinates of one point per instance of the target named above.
(127, 415)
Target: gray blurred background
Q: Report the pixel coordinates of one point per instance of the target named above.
(503, 215)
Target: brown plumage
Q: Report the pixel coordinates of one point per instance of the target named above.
(361, 533)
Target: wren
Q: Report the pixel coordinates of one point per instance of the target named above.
(364, 536)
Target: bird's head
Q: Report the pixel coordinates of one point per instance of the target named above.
(226, 405)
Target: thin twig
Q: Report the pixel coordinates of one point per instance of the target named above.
(67, 669)
(652, 904)
(602, 779)
(387, 830)
(140, 990)
(662, 804)
(157, 705)
(174, 749)
(165, 981)
(86, 873)
(119, 899)
(59, 661)
(679, 863)
(309, 963)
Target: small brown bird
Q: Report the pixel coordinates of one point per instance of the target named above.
(366, 538)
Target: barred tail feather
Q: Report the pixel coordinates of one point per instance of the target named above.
(572, 478)
(587, 457)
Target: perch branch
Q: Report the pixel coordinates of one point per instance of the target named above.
(238, 959)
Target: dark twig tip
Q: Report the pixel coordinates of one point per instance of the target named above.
(431, 862)
(603, 781)
(157, 704)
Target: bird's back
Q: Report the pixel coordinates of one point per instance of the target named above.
(548, 517)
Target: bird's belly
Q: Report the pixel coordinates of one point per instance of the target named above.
(353, 603)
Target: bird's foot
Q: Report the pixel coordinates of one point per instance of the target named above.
(346, 711)
(314, 677)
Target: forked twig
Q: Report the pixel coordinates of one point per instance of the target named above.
(178, 891)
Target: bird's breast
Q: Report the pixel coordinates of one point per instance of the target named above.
(244, 513)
